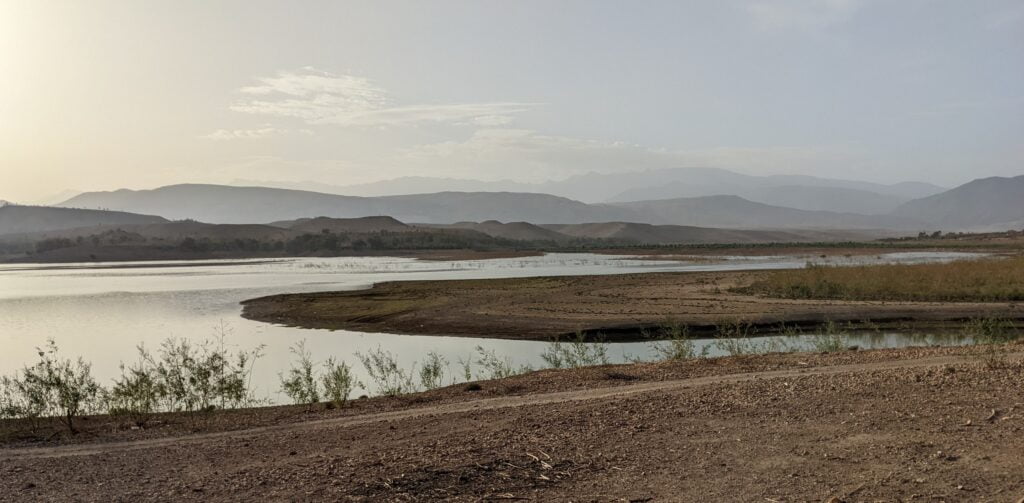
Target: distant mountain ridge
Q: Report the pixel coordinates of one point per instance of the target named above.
(226, 204)
(995, 203)
(669, 183)
(989, 204)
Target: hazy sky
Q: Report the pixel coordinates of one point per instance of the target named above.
(103, 95)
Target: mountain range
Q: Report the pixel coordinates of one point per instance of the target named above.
(984, 204)
(794, 191)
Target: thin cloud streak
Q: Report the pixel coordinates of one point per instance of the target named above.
(345, 100)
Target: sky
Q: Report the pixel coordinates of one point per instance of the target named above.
(102, 95)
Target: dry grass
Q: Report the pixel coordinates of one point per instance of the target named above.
(992, 280)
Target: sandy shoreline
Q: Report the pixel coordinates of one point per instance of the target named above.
(616, 305)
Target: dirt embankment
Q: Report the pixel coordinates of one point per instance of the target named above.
(542, 308)
(926, 424)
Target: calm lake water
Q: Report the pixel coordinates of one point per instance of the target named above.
(103, 311)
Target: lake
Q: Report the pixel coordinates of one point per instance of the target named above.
(102, 311)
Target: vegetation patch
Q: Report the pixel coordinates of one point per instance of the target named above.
(995, 280)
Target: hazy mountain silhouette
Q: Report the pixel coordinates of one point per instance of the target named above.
(226, 204)
(633, 186)
(995, 203)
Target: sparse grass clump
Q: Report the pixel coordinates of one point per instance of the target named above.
(992, 280)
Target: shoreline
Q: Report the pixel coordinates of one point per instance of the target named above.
(617, 306)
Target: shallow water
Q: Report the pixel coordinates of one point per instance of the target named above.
(103, 311)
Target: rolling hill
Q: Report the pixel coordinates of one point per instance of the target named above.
(737, 213)
(16, 219)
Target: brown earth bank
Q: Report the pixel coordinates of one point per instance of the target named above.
(924, 424)
(616, 306)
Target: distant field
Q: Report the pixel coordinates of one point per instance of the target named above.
(976, 281)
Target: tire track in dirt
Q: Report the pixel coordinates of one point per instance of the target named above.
(480, 405)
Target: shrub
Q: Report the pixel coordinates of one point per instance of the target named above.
(432, 371)
(733, 338)
(498, 368)
(576, 353)
(383, 369)
(338, 382)
(193, 378)
(136, 394)
(676, 345)
(301, 384)
(66, 387)
(831, 339)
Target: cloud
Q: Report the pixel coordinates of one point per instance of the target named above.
(248, 134)
(805, 15)
(323, 98)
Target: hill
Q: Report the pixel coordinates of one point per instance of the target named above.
(16, 219)
(343, 225)
(995, 203)
(801, 197)
(737, 213)
(519, 231)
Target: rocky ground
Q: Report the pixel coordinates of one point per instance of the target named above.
(931, 424)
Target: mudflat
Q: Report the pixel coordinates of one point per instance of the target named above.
(615, 305)
(920, 424)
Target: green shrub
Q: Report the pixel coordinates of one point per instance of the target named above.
(432, 371)
(193, 378)
(301, 384)
(831, 339)
(383, 369)
(135, 394)
(576, 353)
(66, 387)
(338, 381)
(676, 343)
(498, 368)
